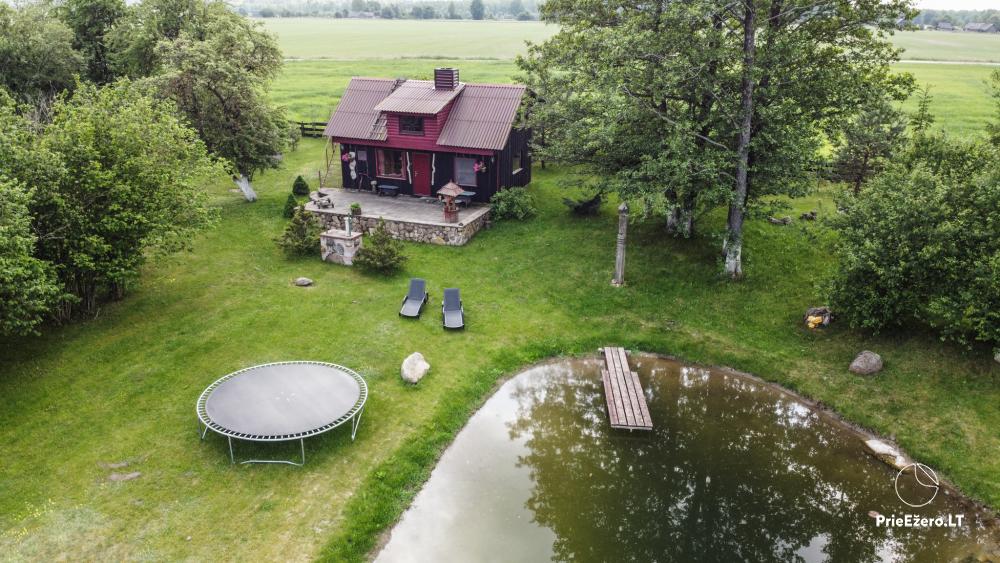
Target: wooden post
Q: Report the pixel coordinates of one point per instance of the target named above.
(619, 279)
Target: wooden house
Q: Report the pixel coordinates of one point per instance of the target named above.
(415, 136)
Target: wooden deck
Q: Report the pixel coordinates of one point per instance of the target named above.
(626, 401)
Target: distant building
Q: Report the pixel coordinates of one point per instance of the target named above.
(981, 27)
(945, 26)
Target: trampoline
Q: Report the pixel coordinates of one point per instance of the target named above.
(282, 402)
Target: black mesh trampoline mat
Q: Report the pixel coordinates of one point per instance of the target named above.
(282, 401)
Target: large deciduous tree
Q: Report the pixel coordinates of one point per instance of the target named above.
(216, 67)
(90, 21)
(130, 180)
(37, 59)
(687, 106)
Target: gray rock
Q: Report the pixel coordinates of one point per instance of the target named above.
(303, 282)
(867, 363)
(124, 476)
(414, 368)
(823, 313)
(887, 453)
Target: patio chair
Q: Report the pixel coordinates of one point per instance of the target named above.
(414, 301)
(452, 312)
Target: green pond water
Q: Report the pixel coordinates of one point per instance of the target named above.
(734, 470)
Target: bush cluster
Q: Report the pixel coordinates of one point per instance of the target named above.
(380, 253)
(512, 203)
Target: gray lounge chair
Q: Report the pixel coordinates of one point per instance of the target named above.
(414, 301)
(452, 312)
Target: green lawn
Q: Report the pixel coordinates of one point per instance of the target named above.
(123, 386)
(329, 38)
(948, 46)
(961, 95)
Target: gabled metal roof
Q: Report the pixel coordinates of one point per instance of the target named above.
(356, 116)
(418, 96)
(482, 116)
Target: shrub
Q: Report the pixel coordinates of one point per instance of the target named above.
(380, 254)
(919, 245)
(300, 187)
(301, 236)
(290, 205)
(512, 203)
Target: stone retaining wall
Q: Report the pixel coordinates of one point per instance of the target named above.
(434, 233)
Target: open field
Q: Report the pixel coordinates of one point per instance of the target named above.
(949, 46)
(311, 89)
(123, 386)
(329, 38)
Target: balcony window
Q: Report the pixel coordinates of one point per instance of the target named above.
(411, 125)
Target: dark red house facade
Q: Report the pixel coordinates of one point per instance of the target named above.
(418, 135)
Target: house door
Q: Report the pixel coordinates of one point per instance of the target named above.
(421, 173)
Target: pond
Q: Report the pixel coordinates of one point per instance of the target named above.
(734, 470)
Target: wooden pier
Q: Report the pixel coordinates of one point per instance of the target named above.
(626, 401)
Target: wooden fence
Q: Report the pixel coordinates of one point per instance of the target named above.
(311, 128)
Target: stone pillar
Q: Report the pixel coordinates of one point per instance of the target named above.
(619, 279)
(339, 246)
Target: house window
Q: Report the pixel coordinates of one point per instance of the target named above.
(411, 125)
(465, 171)
(515, 162)
(362, 155)
(391, 164)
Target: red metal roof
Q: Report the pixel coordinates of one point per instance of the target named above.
(418, 96)
(356, 116)
(480, 118)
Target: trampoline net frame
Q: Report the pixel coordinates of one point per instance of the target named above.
(354, 411)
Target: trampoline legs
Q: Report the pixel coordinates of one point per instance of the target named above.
(355, 422)
(302, 448)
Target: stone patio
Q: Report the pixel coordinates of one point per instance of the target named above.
(406, 217)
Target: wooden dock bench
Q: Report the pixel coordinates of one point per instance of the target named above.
(626, 400)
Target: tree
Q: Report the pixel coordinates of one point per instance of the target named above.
(870, 140)
(922, 119)
(683, 107)
(477, 9)
(357, 5)
(28, 287)
(453, 12)
(920, 245)
(380, 254)
(90, 21)
(36, 53)
(301, 236)
(300, 186)
(216, 67)
(515, 8)
(291, 204)
(994, 128)
(130, 183)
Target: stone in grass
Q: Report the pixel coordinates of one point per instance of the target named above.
(867, 363)
(124, 476)
(414, 368)
(303, 282)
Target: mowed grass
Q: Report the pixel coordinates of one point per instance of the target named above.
(329, 38)
(122, 387)
(960, 95)
(948, 46)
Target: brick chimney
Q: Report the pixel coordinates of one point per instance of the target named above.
(445, 78)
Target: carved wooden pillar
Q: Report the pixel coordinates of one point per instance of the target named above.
(619, 279)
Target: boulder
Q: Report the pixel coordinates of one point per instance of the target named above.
(414, 368)
(887, 453)
(303, 282)
(811, 216)
(781, 221)
(124, 476)
(867, 363)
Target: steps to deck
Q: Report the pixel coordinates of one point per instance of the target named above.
(623, 392)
